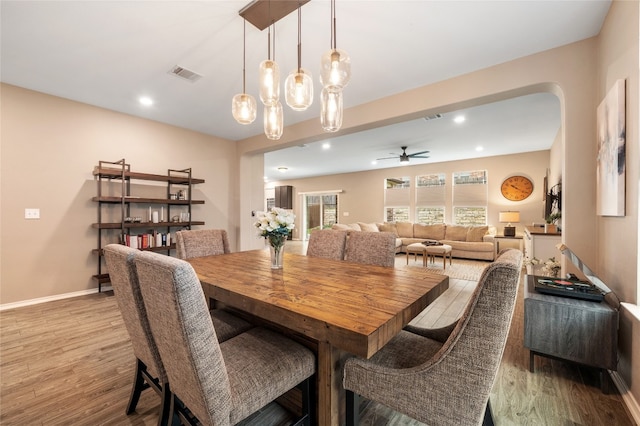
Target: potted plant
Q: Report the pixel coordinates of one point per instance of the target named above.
(552, 220)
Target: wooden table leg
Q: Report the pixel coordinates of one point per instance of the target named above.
(331, 399)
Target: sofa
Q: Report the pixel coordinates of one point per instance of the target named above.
(467, 242)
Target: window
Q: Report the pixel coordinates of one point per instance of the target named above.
(470, 197)
(397, 199)
(430, 198)
(397, 214)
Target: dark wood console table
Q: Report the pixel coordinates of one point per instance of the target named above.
(570, 329)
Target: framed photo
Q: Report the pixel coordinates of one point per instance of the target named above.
(611, 160)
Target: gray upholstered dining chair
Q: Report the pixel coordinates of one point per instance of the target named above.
(327, 243)
(212, 383)
(150, 372)
(201, 242)
(444, 376)
(371, 248)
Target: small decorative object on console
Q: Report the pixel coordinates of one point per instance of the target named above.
(275, 226)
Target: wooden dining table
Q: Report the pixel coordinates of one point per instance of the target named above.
(341, 308)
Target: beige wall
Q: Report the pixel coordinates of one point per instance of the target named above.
(363, 193)
(617, 237)
(49, 149)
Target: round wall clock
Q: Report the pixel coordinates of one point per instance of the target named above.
(516, 188)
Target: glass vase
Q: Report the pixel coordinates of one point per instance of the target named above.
(277, 255)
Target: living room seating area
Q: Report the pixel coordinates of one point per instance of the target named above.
(467, 242)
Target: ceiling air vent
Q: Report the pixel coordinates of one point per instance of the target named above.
(184, 73)
(433, 117)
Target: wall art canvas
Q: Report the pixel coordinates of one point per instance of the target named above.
(611, 159)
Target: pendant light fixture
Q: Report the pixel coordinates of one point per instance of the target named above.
(273, 121)
(335, 64)
(299, 83)
(269, 73)
(331, 109)
(243, 106)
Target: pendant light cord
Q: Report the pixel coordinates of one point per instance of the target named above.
(299, 38)
(333, 24)
(244, 55)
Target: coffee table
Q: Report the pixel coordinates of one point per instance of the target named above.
(443, 250)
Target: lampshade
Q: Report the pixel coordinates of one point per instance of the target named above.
(335, 68)
(243, 106)
(331, 109)
(273, 121)
(299, 85)
(269, 73)
(509, 217)
(335, 64)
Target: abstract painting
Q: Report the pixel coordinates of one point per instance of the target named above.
(611, 171)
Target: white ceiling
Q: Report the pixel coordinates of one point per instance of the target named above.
(109, 53)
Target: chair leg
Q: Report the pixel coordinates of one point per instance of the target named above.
(308, 402)
(165, 407)
(353, 408)
(488, 417)
(139, 384)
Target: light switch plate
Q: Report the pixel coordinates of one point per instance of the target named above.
(32, 213)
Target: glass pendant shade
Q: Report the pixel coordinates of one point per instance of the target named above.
(299, 89)
(331, 109)
(243, 108)
(269, 82)
(335, 68)
(273, 121)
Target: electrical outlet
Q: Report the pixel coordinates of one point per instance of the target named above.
(32, 213)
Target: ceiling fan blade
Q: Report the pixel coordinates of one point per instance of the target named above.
(415, 154)
(419, 156)
(388, 158)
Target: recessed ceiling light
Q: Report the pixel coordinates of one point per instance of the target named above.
(145, 100)
(459, 119)
(479, 148)
(326, 145)
(374, 162)
(282, 169)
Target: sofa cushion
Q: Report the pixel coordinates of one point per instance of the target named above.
(405, 229)
(476, 233)
(456, 233)
(429, 232)
(388, 227)
(368, 227)
(345, 227)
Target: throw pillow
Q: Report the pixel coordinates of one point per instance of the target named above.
(476, 233)
(405, 229)
(429, 232)
(456, 233)
(388, 227)
(368, 227)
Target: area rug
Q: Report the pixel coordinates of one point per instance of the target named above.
(462, 269)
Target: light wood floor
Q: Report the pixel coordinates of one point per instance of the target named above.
(70, 362)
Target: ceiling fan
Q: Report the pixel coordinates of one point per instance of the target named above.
(404, 157)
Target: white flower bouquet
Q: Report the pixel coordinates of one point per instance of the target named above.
(275, 225)
(550, 268)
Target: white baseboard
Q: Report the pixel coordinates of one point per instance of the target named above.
(632, 405)
(51, 298)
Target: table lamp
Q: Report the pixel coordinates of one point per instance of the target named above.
(509, 217)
